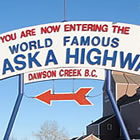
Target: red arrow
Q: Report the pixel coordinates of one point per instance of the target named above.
(79, 96)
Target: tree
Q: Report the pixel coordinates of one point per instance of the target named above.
(50, 131)
(14, 138)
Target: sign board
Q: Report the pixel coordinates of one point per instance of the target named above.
(64, 73)
(79, 96)
(66, 45)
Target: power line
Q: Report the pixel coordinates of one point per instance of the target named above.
(28, 96)
(127, 83)
(89, 96)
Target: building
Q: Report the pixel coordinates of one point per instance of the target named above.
(130, 113)
(126, 91)
(86, 137)
(106, 128)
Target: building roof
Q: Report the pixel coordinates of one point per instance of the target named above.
(125, 83)
(82, 137)
(88, 137)
(121, 77)
(74, 138)
(101, 120)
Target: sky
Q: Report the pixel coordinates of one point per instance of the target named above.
(32, 114)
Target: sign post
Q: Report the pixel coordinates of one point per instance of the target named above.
(114, 105)
(16, 107)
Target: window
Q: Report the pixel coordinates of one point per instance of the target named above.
(138, 128)
(109, 126)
